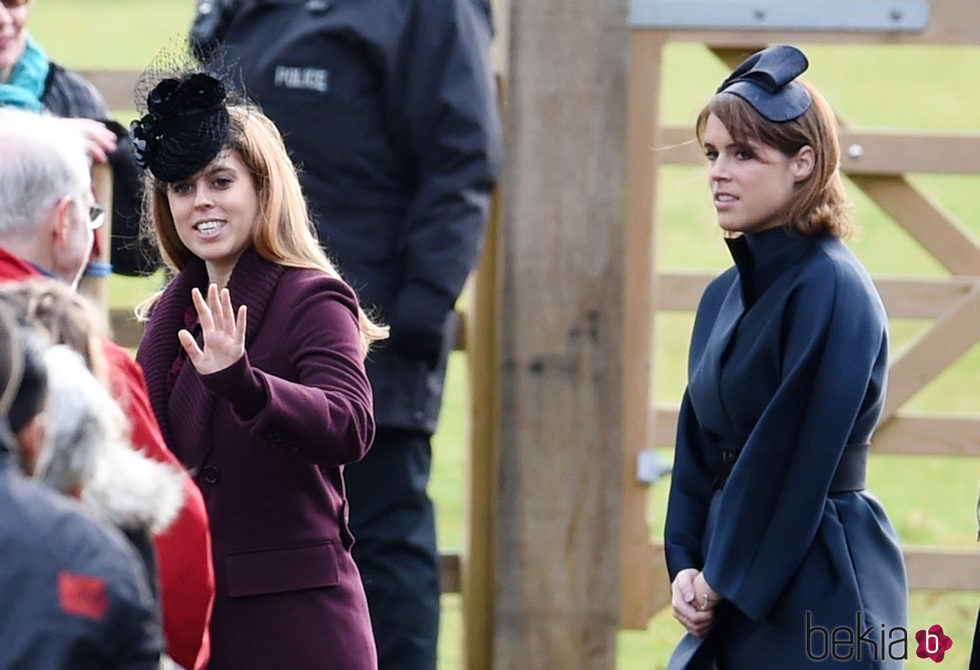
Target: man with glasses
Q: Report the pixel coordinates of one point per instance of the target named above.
(47, 217)
(47, 209)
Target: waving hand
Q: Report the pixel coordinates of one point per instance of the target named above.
(224, 333)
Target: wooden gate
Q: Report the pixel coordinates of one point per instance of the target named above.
(878, 162)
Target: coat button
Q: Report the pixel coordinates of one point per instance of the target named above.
(210, 475)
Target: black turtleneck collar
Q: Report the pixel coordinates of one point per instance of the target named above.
(763, 257)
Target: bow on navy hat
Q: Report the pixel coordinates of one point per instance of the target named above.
(765, 81)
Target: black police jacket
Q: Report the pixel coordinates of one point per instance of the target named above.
(389, 110)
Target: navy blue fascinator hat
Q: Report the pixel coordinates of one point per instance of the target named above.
(765, 80)
(185, 126)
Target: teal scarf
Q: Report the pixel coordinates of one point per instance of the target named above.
(26, 85)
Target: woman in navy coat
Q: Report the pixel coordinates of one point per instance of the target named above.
(774, 544)
(265, 409)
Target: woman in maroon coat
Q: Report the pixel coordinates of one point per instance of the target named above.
(265, 409)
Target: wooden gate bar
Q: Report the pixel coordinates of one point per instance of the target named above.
(871, 152)
(904, 297)
(933, 351)
(936, 569)
(923, 217)
(931, 434)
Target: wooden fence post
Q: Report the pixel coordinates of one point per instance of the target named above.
(96, 287)
(560, 337)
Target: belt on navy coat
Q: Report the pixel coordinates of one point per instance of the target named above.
(851, 474)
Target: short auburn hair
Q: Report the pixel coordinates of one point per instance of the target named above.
(821, 206)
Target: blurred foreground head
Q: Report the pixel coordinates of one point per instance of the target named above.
(47, 208)
(23, 388)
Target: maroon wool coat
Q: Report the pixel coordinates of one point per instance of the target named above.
(266, 440)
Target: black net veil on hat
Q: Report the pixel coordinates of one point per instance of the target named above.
(184, 120)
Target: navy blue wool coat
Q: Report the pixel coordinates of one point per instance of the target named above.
(788, 360)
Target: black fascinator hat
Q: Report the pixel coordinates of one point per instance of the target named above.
(185, 125)
(765, 80)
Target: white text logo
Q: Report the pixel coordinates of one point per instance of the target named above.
(309, 78)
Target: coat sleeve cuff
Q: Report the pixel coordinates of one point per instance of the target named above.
(420, 322)
(240, 386)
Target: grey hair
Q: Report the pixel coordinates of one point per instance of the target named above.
(82, 417)
(43, 161)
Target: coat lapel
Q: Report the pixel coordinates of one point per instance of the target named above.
(705, 375)
(157, 353)
(762, 260)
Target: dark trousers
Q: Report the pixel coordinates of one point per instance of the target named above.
(393, 522)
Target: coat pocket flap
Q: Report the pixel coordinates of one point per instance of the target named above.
(255, 573)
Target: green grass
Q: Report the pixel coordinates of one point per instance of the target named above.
(930, 500)
(111, 34)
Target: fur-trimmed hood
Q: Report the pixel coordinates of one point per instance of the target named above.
(133, 491)
(87, 449)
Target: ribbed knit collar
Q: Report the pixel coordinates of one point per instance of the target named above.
(252, 283)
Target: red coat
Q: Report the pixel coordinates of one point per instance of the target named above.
(268, 438)
(184, 550)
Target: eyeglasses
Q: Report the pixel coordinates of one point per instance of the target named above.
(96, 216)
(13, 4)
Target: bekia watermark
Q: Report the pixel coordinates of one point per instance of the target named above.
(881, 642)
(843, 643)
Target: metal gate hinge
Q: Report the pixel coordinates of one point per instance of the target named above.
(650, 467)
